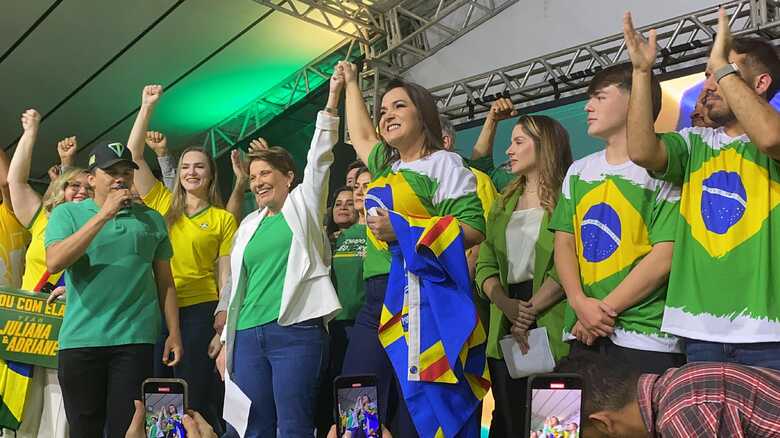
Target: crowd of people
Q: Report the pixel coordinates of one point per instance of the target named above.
(649, 262)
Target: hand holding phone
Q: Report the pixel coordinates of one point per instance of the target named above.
(165, 403)
(357, 408)
(555, 406)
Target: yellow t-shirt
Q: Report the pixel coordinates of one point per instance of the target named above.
(13, 241)
(197, 241)
(35, 259)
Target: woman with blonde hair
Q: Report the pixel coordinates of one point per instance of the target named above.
(515, 264)
(201, 233)
(32, 211)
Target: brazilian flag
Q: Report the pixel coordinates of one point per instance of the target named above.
(14, 380)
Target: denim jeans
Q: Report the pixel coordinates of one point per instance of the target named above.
(278, 368)
(759, 354)
(197, 368)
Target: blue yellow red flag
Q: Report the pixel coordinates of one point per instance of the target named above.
(430, 329)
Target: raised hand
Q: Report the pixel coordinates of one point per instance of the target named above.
(501, 109)
(719, 56)
(31, 120)
(258, 144)
(348, 70)
(54, 172)
(337, 81)
(151, 95)
(641, 51)
(239, 170)
(66, 148)
(157, 142)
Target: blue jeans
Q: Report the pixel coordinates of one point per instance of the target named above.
(278, 368)
(760, 354)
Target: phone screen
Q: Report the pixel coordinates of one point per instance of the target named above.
(555, 411)
(358, 415)
(163, 413)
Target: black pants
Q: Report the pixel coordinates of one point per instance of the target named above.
(99, 385)
(651, 362)
(205, 391)
(510, 395)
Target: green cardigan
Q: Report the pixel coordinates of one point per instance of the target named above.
(492, 261)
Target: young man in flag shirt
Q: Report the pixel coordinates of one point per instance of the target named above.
(614, 226)
(722, 294)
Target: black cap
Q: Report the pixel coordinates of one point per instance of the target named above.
(106, 155)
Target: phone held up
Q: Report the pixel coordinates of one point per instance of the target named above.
(165, 402)
(357, 409)
(555, 406)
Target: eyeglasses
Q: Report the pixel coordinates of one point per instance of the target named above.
(77, 186)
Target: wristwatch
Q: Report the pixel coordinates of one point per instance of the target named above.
(725, 71)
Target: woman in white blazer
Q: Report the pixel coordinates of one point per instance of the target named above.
(281, 296)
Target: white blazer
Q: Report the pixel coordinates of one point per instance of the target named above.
(308, 292)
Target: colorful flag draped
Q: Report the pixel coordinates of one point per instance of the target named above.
(15, 378)
(430, 329)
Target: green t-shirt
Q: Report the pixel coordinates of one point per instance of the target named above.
(725, 270)
(112, 293)
(436, 185)
(265, 264)
(347, 270)
(484, 164)
(617, 213)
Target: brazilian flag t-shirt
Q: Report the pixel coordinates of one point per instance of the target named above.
(725, 279)
(435, 185)
(617, 213)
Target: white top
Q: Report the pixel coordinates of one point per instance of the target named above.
(521, 234)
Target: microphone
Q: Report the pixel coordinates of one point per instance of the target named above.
(127, 203)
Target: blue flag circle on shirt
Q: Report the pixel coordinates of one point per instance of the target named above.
(600, 231)
(723, 201)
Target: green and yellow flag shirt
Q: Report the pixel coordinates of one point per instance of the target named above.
(725, 270)
(617, 213)
(265, 263)
(112, 292)
(435, 185)
(347, 270)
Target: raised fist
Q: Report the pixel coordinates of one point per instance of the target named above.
(502, 109)
(66, 148)
(151, 94)
(348, 70)
(31, 120)
(157, 142)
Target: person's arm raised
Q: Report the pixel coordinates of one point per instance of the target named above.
(361, 129)
(756, 116)
(144, 179)
(24, 198)
(501, 109)
(644, 148)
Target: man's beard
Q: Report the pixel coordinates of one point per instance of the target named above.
(721, 116)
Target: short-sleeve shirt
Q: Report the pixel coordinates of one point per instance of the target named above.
(617, 213)
(723, 286)
(349, 251)
(435, 185)
(112, 292)
(13, 241)
(35, 258)
(198, 240)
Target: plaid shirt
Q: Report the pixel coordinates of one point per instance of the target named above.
(711, 400)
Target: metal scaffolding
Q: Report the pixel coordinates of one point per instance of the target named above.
(221, 138)
(682, 44)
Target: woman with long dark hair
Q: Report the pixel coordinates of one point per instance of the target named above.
(201, 233)
(515, 264)
(413, 176)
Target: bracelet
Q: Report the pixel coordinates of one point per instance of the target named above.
(332, 111)
(726, 70)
